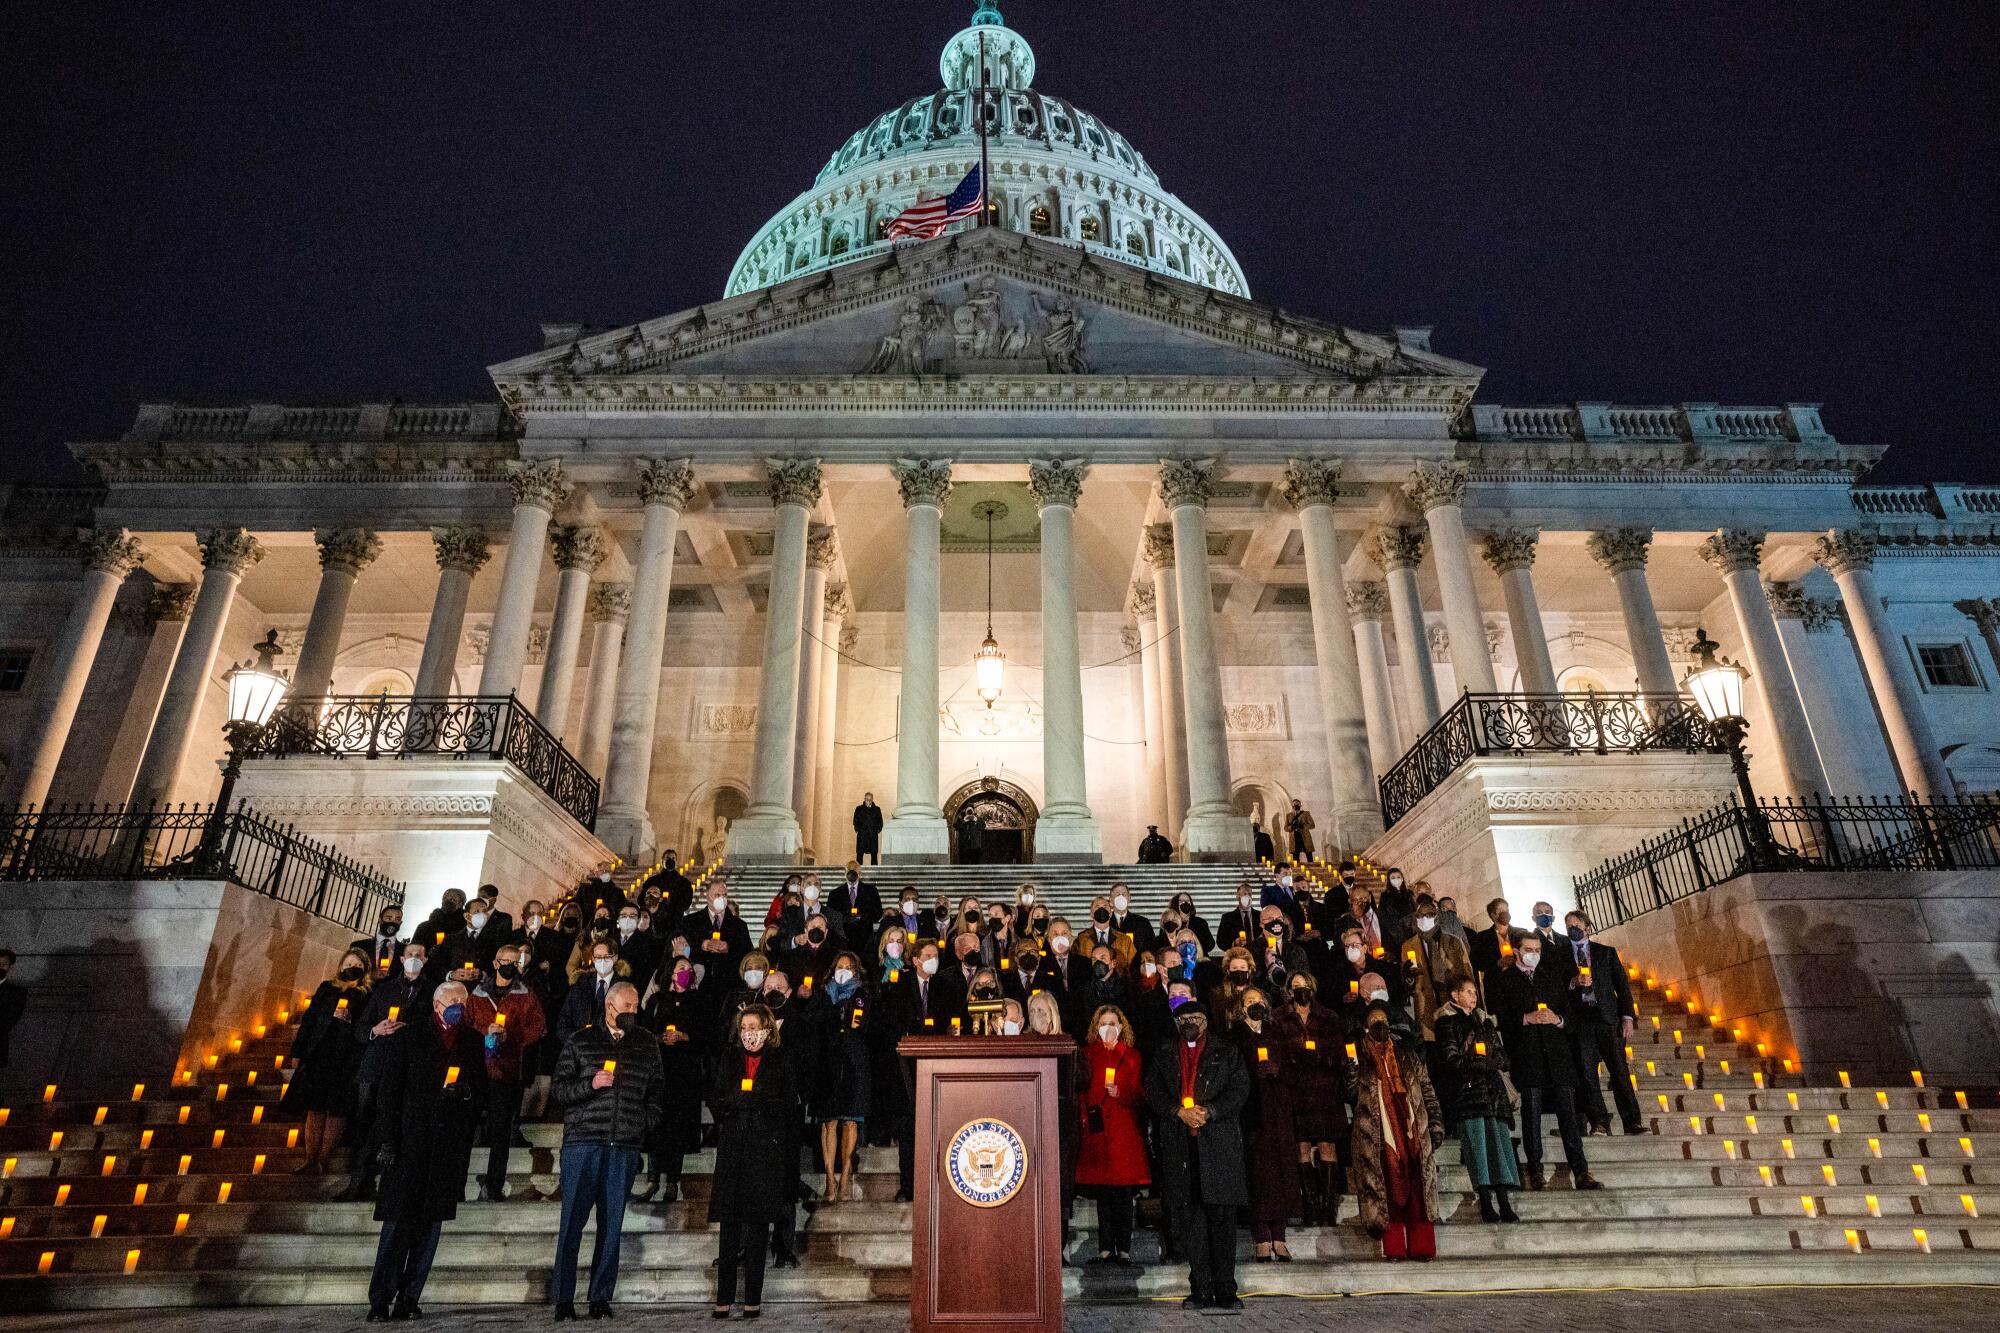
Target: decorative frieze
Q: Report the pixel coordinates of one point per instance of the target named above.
(1056, 481)
(1509, 549)
(1788, 600)
(666, 481)
(1434, 485)
(1843, 550)
(923, 481)
(1186, 481)
(110, 550)
(461, 546)
(1732, 550)
(1129, 636)
(347, 550)
(229, 550)
(1823, 615)
(1255, 721)
(1401, 547)
(583, 548)
(540, 485)
(608, 601)
(1620, 549)
(1311, 481)
(725, 720)
(1367, 600)
(1983, 611)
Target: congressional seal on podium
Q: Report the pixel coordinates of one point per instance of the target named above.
(986, 1162)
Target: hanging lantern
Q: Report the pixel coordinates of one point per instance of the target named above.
(988, 662)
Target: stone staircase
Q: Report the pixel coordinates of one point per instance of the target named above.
(182, 1196)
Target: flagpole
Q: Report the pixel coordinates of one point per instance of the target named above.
(979, 115)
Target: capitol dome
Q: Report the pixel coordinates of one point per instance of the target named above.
(1057, 171)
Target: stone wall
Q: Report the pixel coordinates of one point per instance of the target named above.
(1877, 974)
(129, 980)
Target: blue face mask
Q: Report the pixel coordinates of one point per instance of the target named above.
(1545, 919)
(1576, 933)
(453, 1015)
(1188, 955)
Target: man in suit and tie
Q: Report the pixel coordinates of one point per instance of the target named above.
(1065, 975)
(1279, 894)
(855, 909)
(1101, 931)
(1555, 945)
(384, 948)
(1239, 923)
(919, 1009)
(720, 939)
(1605, 1019)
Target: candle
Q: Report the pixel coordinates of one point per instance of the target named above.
(341, 1007)
(138, 1091)
(1311, 1045)
(394, 1009)
(1350, 1050)
(1584, 972)
(1540, 1007)
(139, 1194)
(451, 1076)
(1917, 1077)
(1353, 987)
(610, 1066)
(131, 1262)
(499, 1020)
(222, 1192)
(1263, 1054)
(1479, 1048)
(954, 1026)
(715, 935)
(1110, 1077)
(1187, 1102)
(749, 1083)
(930, 1022)
(62, 1195)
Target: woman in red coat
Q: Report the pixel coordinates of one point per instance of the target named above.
(1111, 1166)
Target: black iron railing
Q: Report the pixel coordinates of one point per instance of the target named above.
(1846, 834)
(192, 842)
(1588, 723)
(466, 726)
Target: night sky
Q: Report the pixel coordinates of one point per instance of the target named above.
(1646, 203)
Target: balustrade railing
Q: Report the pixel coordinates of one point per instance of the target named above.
(1584, 723)
(1844, 834)
(391, 726)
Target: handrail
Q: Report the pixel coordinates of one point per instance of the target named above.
(1587, 722)
(376, 726)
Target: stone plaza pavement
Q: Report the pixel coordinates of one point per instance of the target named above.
(1766, 1309)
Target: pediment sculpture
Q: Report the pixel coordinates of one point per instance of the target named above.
(983, 338)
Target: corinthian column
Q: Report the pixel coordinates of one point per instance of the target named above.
(665, 487)
(578, 553)
(109, 554)
(769, 831)
(1984, 612)
(605, 612)
(916, 830)
(1311, 486)
(343, 554)
(1143, 610)
(1158, 542)
(1849, 555)
(539, 490)
(828, 833)
(1735, 553)
(226, 555)
(1437, 489)
(1511, 553)
(1401, 550)
(1214, 831)
(1367, 604)
(821, 552)
(1066, 831)
(1622, 552)
(461, 552)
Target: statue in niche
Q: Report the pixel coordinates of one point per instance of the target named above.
(905, 351)
(1062, 338)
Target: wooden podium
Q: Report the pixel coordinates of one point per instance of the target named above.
(986, 1227)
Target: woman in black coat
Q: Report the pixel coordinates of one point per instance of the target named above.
(1271, 1137)
(433, 1087)
(327, 1059)
(868, 829)
(755, 1103)
(1476, 1104)
(1322, 1085)
(674, 1013)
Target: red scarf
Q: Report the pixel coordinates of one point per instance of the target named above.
(1190, 1062)
(750, 1063)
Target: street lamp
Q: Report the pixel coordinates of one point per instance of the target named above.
(256, 688)
(1717, 686)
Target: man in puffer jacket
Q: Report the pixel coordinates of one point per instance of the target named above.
(611, 1088)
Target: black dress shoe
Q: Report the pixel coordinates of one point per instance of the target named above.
(378, 1314)
(1586, 1181)
(565, 1311)
(902, 1196)
(1193, 1303)
(407, 1310)
(1230, 1306)
(1535, 1179)
(600, 1310)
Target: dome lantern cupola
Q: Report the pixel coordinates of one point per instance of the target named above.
(1010, 61)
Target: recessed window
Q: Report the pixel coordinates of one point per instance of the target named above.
(1038, 221)
(1945, 666)
(1135, 243)
(839, 246)
(1090, 229)
(13, 671)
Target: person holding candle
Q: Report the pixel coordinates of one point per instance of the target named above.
(855, 907)
(1111, 1155)
(611, 1089)
(404, 990)
(843, 1089)
(1196, 1087)
(1239, 970)
(432, 1089)
(672, 1012)
(720, 940)
(508, 1014)
(1236, 925)
(1475, 1100)
(1269, 1128)
(1493, 948)
(1533, 1003)
(1321, 1086)
(326, 1058)
(754, 1099)
(584, 1004)
(1180, 910)
(1606, 1016)
(1397, 1128)
(1430, 958)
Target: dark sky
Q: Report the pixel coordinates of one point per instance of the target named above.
(1641, 202)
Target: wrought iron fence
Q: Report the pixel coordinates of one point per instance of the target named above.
(192, 842)
(466, 726)
(1587, 723)
(1846, 834)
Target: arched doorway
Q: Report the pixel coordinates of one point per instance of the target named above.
(992, 823)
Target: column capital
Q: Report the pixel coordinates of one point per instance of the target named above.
(666, 481)
(1509, 549)
(850, 635)
(229, 550)
(539, 485)
(1056, 481)
(1788, 600)
(923, 481)
(1158, 544)
(1843, 550)
(169, 601)
(793, 481)
(822, 549)
(460, 546)
(839, 604)
(1732, 550)
(1129, 636)
(1984, 611)
(346, 550)
(1311, 481)
(1434, 485)
(1823, 615)
(109, 550)
(1186, 481)
(1401, 548)
(583, 548)
(1143, 603)
(1367, 601)
(608, 601)
(1620, 549)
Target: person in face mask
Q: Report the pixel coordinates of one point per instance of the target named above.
(855, 904)
(1545, 926)
(1196, 1088)
(639, 947)
(1319, 1079)
(1013, 1018)
(1065, 975)
(675, 889)
(1477, 1106)
(509, 1016)
(1239, 972)
(841, 1090)
(1448, 921)
(906, 913)
(326, 1056)
(611, 1086)
(1299, 828)
(1533, 1004)
(1125, 921)
(1262, 1040)
(719, 937)
(1274, 946)
(747, 987)
(917, 1007)
(1395, 905)
(429, 1115)
(1605, 1019)
(1105, 978)
(384, 947)
(754, 1099)
(1397, 1128)
(1493, 947)
(405, 990)
(1025, 898)
(1111, 1154)
(1239, 923)
(585, 999)
(673, 1013)
(446, 920)
(1429, 960)
(467, 953)
(1282, 893)
(811, 959)
(600, 893)
(1182, 905)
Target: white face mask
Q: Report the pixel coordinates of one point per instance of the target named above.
(1243, 901)
(929, 967)
(718, 905)
(412, 966)
(753, 1039)
(909, 907)
(477, 919)
(894, 948)
(1427, 923)
(1108, 1033)
(1529, 960)
(843, 975)
(812, 893)
(627, 924)
(534, 924)
(1120, 903)
(1060, 943)
(604, 966)
(1395, 881)
(1378, 994)
(1285, 880)
(1027, 900)
(754, 978)
(1149, 968)
(1353, 952)
(1010, 1027)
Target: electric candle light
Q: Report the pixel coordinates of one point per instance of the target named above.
(7, 1226)
(185, 1162)
(394, 1009)
(1750, 1123)
(257, 1115)
(1832, 1122)
(451, 1074)
(180, 1223)
(1677, 1036)
(1353, 988)
(1263, 1054)
(1700, 1051)
(954, 1027)
(1845, 1081)
(1763, 1051)
(55, 1140)
(49, 1093)
(1882, 1099)
(110, 1163)
(48, 1261)
(1960, 1095)
(1539, 1007)
(62, 1195)
(5, 1113)
(139, 1194)
(1922, 1238)
(1788, 1064)
(748, 1084)
(222, 1092)
(1110, 1077)
(257, 1165)
(1729, 1149)
(145, 1139)
(1971, 1205)
(1718, 1102)
(222, 1192)
(1687, 1081)
(1792, 1100)
(1187, 1102)
(98, 1118)
(1917, 1077)
(1694, 1124)
(1874, 1205)
(1663, 1103)
(1786, 1144)
(610, 1066)
(131, 1262)
(1652, 1068)
(1350, 1050)
(1826, 1170)
(1725, 1068)
(7, 1168)
(1854, 1240)
(97, 1226)
(291, 1138)
(138, 1091)
(1312, 1045)
(1656, 1022)
(236, 1043)
(1478, 1047)
(1923, 1176)
(218, 1139)
(1875, 1147)
(1757, 1079)
(1809, 1205)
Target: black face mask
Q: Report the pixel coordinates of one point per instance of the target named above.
(815, 936)
(986, 993)
(1255, 1013)
(1378, 1031)
(1100, 916)
(1302, 997)
(1190, 1029)
(506, 971)
(1238, 975)
(387, 930)
(353, 973)
(625, 1022)
(1100, 970)
(773, 999)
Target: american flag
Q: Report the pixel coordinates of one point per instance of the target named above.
(927, 218)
